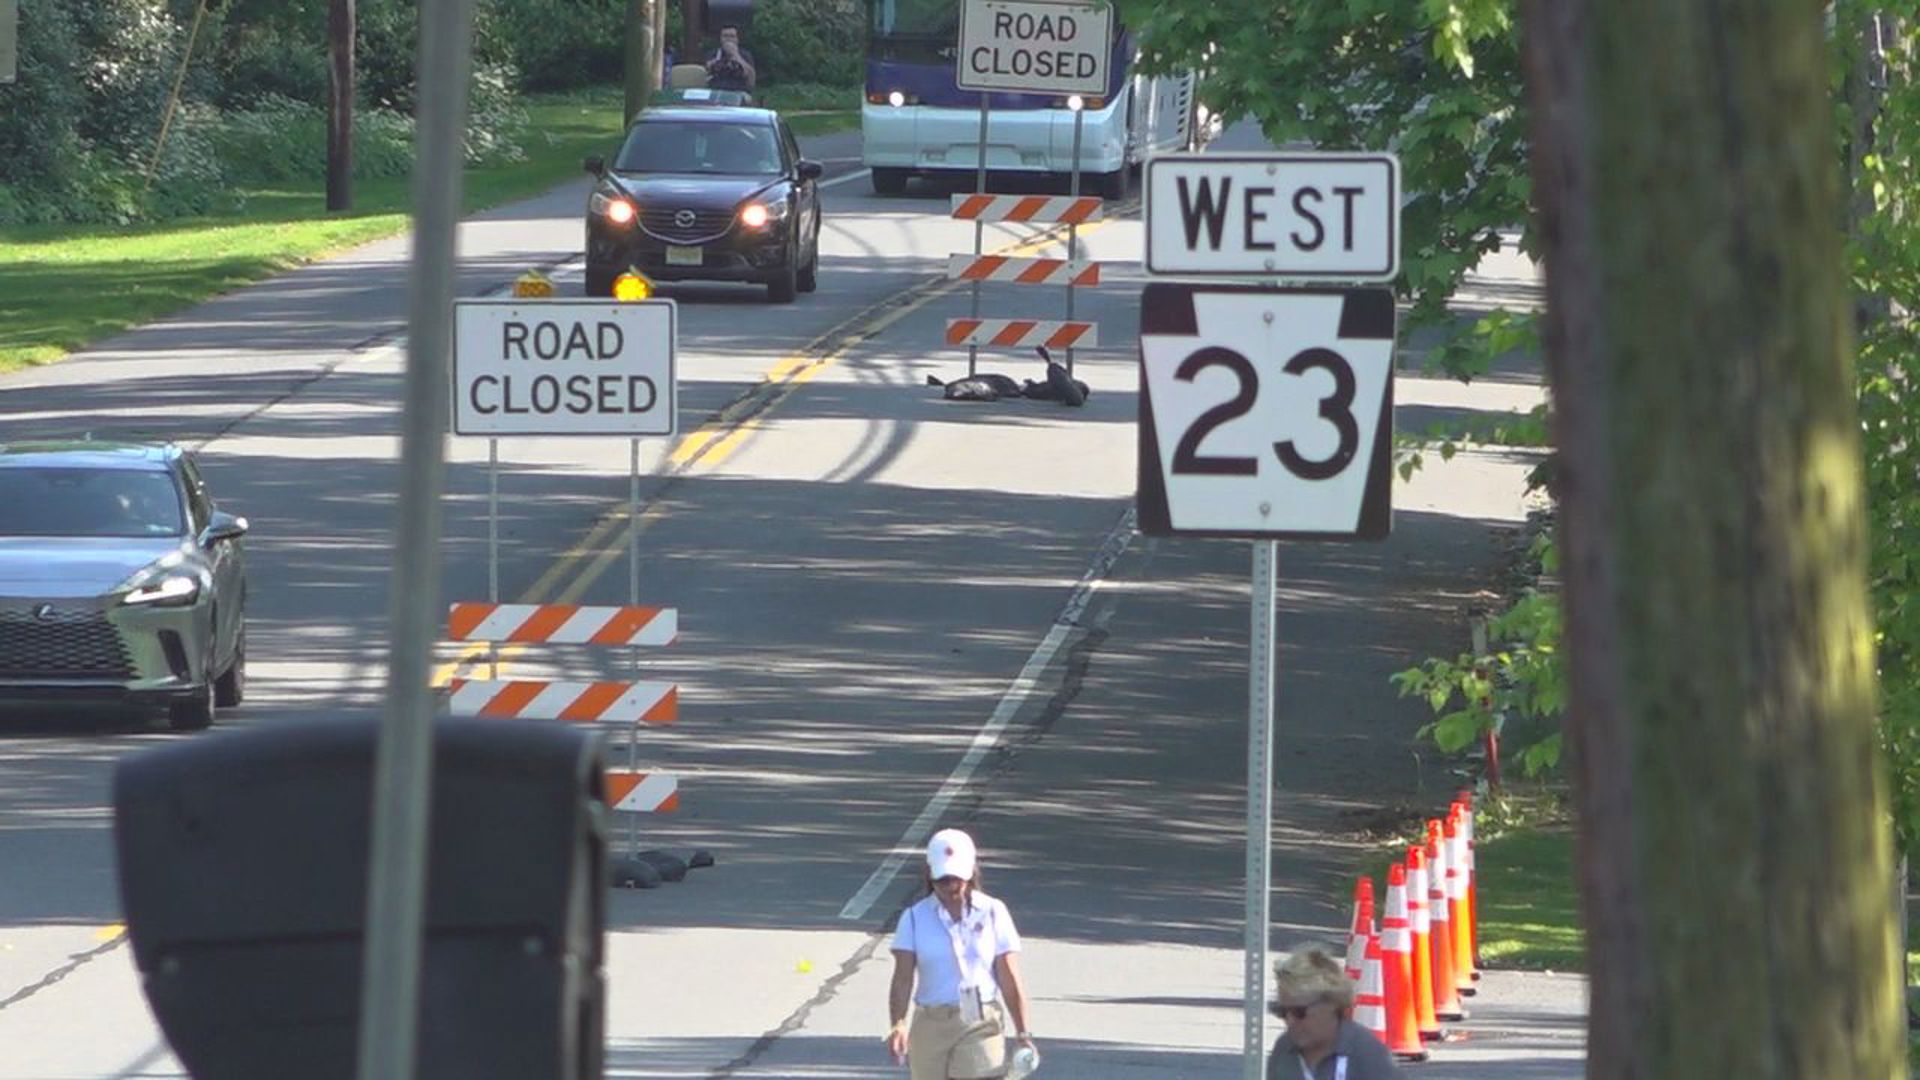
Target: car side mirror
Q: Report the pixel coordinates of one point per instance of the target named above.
(811, 170)
(595, 164)
(223, 527)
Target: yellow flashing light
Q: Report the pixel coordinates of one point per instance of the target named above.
(632, 285)
(533, 283)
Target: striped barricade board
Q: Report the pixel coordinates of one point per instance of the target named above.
(563, 624)
(1022, 332)
(1023, 271)
(1031, 209)
(579, 702)
(642, 792)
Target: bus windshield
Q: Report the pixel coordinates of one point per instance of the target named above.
(939, 19)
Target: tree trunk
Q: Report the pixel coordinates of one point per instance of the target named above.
(646, 38)
(1732, 846)
(340, 20)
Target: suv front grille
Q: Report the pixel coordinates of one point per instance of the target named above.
(65, 645)
(666, 224)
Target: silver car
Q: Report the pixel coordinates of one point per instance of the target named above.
(119, 580)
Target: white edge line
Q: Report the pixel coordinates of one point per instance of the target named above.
(847, 179)
(988, 736)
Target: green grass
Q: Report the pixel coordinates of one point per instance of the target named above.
(63, 287)
(1529, 915)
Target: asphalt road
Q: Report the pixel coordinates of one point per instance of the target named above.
(895, 610)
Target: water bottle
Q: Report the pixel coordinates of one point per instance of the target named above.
(1025, 1060)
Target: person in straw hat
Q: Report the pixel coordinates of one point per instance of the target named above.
(1314, 996)
(956, 957)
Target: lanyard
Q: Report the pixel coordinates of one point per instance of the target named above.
(1339, 1067)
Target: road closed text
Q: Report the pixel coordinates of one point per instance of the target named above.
(1038, 47)
(544, 393)
(587, 372)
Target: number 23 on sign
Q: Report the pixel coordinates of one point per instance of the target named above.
(1266, 412)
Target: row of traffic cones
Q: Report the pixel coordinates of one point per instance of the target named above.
(1422, 958)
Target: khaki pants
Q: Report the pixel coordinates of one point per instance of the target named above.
(940, 1046)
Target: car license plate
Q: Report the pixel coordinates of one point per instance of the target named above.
(684, 256)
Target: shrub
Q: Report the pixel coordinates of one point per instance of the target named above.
(808, 41)
(563, 44)
(283, 139)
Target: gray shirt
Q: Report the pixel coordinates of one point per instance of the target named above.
(1367, 1058)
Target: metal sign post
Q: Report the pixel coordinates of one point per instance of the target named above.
(633, 599)
(979, 234)
(403, 758)
(1293, 436)
(493, 545)
(1261, 662)
(1073, 228)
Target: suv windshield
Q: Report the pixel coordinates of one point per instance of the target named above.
(89, 502)
(666, 146)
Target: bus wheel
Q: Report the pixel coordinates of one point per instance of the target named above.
(1113, 185)
(889, 181)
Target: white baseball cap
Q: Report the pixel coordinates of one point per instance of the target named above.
(950, 854)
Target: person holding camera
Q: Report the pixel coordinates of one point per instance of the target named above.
(732, 67)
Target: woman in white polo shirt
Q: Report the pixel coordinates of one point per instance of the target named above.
(956, 955)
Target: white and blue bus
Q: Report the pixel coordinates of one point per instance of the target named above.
(916, 122)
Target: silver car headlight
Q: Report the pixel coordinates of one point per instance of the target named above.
(173, 590)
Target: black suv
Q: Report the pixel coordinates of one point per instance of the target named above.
(706, 193)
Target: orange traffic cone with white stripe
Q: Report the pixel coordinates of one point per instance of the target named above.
(1457, 903)
(1370, 1004)
(1396, 949)
(1473, 882)
(1446, 995)
(1421, 932)
(1362, 927)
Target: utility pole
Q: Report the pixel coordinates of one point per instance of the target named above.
(1732, 850)
(9, 40)
(340, 27)
(693, 30)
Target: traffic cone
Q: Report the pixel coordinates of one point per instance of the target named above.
(1457, 904)
(1473, 882)
(1396, 948)
(1362, 926)
(1422, 934)
(1446, 996)
(1370, 1004)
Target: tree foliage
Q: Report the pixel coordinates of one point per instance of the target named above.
(1439, 83)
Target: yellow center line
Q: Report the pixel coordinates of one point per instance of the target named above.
(716, 440)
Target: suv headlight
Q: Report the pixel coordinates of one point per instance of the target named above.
(174, 590)
(614, 208)
(756, 215)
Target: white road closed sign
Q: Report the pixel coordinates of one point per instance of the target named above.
(1293, 215)
(1266, 412)
(1034, 46)
(564, 367)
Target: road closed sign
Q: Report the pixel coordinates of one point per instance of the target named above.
(564, 367)
(1034, 46)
